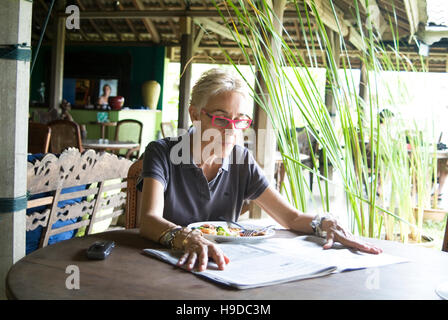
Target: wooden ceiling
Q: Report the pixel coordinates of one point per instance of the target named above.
(158, 22)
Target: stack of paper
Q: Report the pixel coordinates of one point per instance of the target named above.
(280, 260)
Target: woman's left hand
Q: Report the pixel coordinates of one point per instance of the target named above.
(336, 233)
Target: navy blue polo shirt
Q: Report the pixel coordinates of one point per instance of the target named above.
(189, 197)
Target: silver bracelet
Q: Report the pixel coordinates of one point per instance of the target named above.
(316, 224)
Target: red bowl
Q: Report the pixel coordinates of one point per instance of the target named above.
(116, 103)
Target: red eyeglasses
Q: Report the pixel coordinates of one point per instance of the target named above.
(223, 122)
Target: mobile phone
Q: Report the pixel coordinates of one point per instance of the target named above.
(100, 250)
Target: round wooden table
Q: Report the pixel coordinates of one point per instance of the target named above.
(129, 274)
(103, 126)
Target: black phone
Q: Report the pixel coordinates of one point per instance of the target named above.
(100, 250)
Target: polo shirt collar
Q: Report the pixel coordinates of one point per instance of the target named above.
(225, 163)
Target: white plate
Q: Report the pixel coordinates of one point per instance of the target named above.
(442, 290)
(269, 232)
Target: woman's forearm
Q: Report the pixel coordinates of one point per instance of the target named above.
(152, 223)
(152, 226)
(285, 214)
(302, 222)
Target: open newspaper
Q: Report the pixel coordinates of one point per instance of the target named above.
(279, 260)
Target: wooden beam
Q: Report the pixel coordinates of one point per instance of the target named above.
(375, 17)
(197, 40)
(149, 25)
(204, 4)
(92, 23)
(129, 23)
(297, 29)
(83, 34)
(363, 82)
(182, 5)
(170, 53)
(113, 27)
(216, 28)
(97, 29)
(48, 32)
(134, 14)
(413, 15)
(45, 6)
(173, 27)
(335, 48)
(140, 14)
(338, 23)
(170, 21)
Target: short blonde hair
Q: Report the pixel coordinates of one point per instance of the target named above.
(213, 82)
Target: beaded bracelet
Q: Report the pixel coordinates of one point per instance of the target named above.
(164, 233)
(316, 224)
(175, 234)
(167, 238)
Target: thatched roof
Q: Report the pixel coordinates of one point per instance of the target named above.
(157, 22)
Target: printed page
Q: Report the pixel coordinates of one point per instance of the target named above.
(280, 260)
(265, 266)
(345, 259)
(264, 270)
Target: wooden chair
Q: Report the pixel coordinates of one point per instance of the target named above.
(129, 130)
(133, 195)
(65, 134)
(38, 137)
(82, 189)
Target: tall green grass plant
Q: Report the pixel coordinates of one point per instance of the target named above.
(355, 151)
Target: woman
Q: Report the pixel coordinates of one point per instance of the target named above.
(208, 179)
(104, 99)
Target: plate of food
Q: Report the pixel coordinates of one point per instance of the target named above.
(222, 231)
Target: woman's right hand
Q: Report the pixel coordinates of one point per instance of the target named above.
(198, 250)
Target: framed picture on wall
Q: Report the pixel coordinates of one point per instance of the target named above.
(82, 91)
(113, 84)
(68, 90)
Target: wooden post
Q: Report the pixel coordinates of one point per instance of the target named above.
(186, 52)
(334, 39)
(15, 28)
(265, 152)
(363, 82)
(57, 59)
(266, 141)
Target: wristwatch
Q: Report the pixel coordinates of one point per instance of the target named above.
(316, 224)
